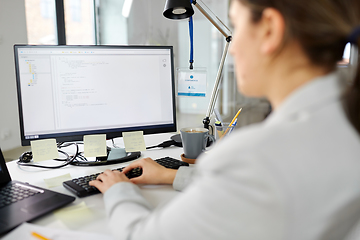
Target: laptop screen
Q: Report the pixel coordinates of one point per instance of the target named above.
(4, 173)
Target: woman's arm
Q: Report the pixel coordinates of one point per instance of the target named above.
(152, 173)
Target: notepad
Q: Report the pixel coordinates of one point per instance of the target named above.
(134, 141)
(44, 149)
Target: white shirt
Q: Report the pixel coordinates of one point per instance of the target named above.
(294, 176)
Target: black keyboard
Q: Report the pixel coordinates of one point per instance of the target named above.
(13, 193)
(81, 188)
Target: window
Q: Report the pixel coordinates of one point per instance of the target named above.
(75, 9)
(79, 22)
(47, 9)
(42, 27)
(40, 21)
(346, 56)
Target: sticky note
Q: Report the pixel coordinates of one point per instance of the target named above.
(95, 145)
(134, 141)
(44, 149)
(57, 181)
(74, 215)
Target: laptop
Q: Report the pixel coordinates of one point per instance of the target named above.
(21, 202)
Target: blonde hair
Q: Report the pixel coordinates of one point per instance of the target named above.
(322, 27)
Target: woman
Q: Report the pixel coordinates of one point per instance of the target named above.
(294, 176)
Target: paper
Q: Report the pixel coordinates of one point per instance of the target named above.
(57, 181)
(75, 215)
(24, 232)
(95, 145)
(134, 141)
(44, 149)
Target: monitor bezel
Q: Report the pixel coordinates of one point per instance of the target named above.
(110, 133)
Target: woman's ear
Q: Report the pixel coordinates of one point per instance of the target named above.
(273, 30)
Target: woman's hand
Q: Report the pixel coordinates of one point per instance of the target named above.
(152, 172)
(108, 178)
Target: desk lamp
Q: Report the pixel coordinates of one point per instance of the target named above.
(181, 9)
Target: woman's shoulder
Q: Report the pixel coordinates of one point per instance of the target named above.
(309, 138)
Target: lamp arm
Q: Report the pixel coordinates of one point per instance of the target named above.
(221, 27)
(225, 31)
(215, 91)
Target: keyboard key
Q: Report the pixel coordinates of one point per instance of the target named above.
(14, 193)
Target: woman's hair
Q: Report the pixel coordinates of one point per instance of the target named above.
(322, 27)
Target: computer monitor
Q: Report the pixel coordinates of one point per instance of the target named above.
(66, 92)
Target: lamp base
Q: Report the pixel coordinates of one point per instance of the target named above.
(206, 122)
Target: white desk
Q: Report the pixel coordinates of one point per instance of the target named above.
(156, 195)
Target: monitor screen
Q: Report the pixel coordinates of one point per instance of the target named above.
(66, 92)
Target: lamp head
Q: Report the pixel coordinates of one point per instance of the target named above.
(178, 9)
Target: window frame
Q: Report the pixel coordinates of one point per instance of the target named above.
(60, 22)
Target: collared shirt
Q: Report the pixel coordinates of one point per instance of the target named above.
(294, 176)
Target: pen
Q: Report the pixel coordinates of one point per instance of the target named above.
(233, 125)
(233, 120)
(38, 236)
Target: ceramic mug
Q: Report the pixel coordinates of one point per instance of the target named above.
(194, 141)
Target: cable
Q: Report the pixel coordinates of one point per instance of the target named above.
(164, 144)
(26, 157)
(78, 159)
(113, 143)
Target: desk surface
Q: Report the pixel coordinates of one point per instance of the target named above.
(156, 195)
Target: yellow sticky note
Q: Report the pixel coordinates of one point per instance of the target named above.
(44, 149)
(74, 214)
(134, 141)
(57, 181)
(95, 145)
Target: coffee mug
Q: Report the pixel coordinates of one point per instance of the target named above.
(194, 141)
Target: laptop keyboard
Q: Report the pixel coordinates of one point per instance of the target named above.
(80, 186)
(15, 192)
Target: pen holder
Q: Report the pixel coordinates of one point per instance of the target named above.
(223, 131)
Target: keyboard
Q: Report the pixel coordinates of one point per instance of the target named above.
(14, 193)
(81, 188)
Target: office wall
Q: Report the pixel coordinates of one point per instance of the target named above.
(12, 30)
